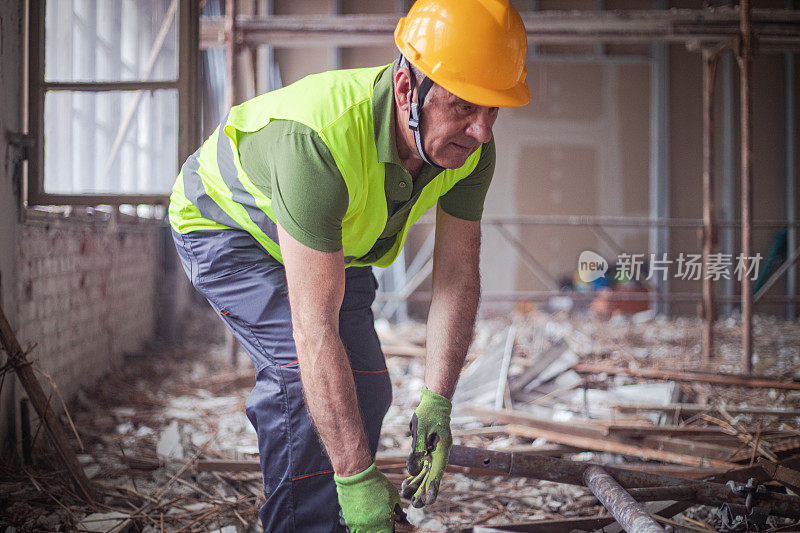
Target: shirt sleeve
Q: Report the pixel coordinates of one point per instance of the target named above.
(466, 198)
(291, 164)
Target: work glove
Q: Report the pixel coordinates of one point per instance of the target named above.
(369, 501)
(430, 448)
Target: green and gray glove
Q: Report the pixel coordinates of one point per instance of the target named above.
(369, 501)
(430, 448)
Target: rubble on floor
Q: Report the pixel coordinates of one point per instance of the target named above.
(166, 440)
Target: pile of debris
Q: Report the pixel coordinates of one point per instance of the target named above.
(167, 445)
(633, 393)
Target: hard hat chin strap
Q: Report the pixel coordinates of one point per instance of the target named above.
(414, 116)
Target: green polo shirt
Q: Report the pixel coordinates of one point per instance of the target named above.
(291, 164)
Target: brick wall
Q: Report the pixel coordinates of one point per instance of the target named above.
(86, 293)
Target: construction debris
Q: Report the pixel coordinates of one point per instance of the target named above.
(167, 443)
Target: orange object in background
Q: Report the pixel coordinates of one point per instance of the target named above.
(605, 305)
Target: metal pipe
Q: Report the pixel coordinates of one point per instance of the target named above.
(790, 135)
(709, 76)
(231, 50)
(659, 194)
(728, 163)
(774, 27)
(572, 472)
(746, 109)
(662, 494)
(630, 514)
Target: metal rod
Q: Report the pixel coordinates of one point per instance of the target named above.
(746, 109)
(728, 172)
(709, 76)
(572, 473)
(100, 86)
(527, 258)
(630, 514)
(25, 426)
(659, 171)
(662, 494)
(773, 26)
(231, 49)
(790, 135)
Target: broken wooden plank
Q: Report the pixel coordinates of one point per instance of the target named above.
(756, 382)
(694, 408)
(784, 475)
(689, 447)
(609, 446)
(41, 404)
(577, 428)
(677, 431)
(403, 350)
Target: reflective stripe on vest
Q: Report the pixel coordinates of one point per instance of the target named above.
(338, 106)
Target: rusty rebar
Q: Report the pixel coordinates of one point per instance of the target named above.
(630, 514)
(571, 472)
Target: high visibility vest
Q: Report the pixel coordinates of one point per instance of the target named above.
(212, 190)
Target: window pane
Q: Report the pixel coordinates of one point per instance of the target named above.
(121, 142)
(111, 40)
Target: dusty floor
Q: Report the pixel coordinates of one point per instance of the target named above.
(153, 417)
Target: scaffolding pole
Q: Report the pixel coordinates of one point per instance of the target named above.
(746, 109)
(708, 312)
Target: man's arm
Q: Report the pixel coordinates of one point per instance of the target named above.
(316, 289)
(456, 293)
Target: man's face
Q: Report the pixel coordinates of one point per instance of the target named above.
(453, 128)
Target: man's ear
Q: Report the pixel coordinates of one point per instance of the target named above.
(402, 88)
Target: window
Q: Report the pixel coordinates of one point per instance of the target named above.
(111, 99)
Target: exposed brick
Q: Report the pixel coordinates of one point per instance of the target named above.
(85, 295)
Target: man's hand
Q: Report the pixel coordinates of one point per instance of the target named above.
(430, 448)
(369, 501)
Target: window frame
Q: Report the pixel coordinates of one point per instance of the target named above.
(35, 87)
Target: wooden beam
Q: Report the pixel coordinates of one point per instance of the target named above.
(754, 382)
(773, 27)
(523, 419)
(608, 446)
(694, 408)
(41, 404)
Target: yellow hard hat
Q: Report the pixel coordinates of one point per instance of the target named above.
(475, 49)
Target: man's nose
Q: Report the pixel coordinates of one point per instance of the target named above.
(480, 128)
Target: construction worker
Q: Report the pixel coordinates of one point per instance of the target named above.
(280, 215)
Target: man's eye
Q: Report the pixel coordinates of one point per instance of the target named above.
(466, 108)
